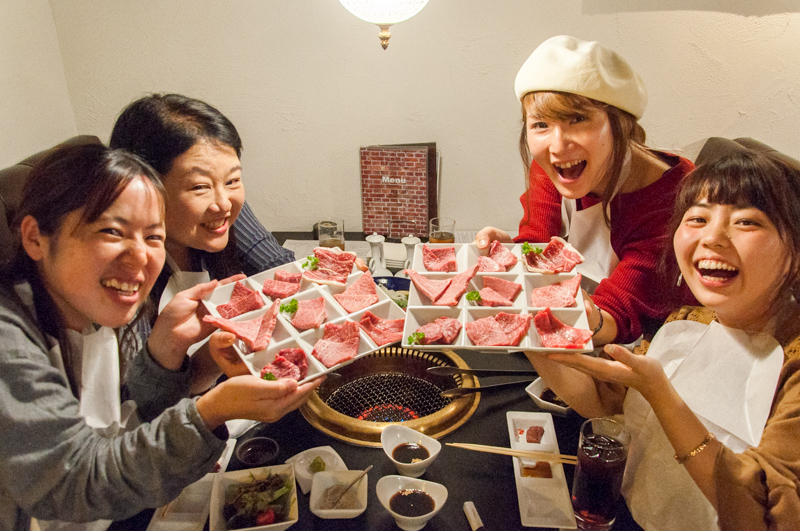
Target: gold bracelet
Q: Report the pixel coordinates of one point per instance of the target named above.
(681, 460)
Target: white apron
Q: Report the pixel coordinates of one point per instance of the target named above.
(709, 366)
(97, 375)
(586, 230)
(179, 281)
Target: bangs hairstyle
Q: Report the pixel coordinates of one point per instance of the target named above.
(88, 177)
(564, 106)
(161, 127)
(747, 179)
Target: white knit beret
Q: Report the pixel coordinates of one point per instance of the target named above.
(568, 64)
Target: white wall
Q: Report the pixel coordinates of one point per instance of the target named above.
(35, 110)
(307, 83)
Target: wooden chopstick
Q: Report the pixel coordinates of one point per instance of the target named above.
(530, 454)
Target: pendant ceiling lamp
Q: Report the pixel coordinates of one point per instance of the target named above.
(384, 13)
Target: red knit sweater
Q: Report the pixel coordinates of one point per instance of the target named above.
(634, 295)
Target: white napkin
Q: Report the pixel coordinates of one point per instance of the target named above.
(725, 375)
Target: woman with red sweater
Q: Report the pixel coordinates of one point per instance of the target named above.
(592, 181)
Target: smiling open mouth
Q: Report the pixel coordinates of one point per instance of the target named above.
(124, 288)
(214, 225)
(570, 170)
(714, 270)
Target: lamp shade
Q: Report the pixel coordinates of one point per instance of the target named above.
(384, 12)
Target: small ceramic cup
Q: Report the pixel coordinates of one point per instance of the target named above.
(395, 435)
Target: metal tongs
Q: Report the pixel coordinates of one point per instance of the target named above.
(461, 391)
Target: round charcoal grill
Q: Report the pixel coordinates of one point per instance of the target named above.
(391, 385)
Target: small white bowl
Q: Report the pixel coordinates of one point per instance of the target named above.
(388, 486)
(535, 390)
(324, 480)
(394, 435)
(302, 462)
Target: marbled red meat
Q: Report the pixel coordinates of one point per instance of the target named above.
(255, 333)
(490, 297)
(443, 330)
(382, 331)
(278, 289)
(534, 434)
(487, 265)
(505, 288)
(359, 294)
(282, 368)
(439, 259)
(558, 295)
(504, 329)
(502, 255)
(286, 276)
(431, 288)
(243, 300)
(558, 257)
(456, 288)
(555, 334)
(338, 344)
(333, 266)
(298, 357)
(310, 314)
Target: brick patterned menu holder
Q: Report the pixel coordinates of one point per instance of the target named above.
(399, 189)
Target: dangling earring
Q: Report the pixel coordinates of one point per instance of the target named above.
(680, 280)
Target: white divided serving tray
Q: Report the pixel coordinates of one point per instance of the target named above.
(287, 336)
(543, 502)
(420, 311)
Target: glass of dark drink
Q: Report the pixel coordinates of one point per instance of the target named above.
(442, 230)
(331, 233)
(602, 453)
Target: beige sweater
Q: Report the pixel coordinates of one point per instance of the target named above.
(759, 488)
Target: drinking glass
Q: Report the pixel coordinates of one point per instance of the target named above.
(602, 453)
(442, 230)
(331, 233)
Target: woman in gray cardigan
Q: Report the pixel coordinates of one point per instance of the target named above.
(93, 433)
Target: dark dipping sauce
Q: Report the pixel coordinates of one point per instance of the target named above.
(411, 502)
(549, 396)
(410, 453)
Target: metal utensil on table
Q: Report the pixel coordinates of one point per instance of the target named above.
(358, 478)
(448, 371)
(461, 391)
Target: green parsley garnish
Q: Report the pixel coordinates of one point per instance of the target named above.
(416, 337)
(528, 248)
(474, 296)
(311, 263)
(268, 376)
(289, 307)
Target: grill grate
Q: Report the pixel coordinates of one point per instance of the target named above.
(387, 397)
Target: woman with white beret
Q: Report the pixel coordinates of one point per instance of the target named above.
(592, 180)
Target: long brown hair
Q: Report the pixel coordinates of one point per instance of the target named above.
(564, 106)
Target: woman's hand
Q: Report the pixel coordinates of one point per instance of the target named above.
(179, 326)
(221, 349)
(487, 235)
(639, 372)
(250, 397)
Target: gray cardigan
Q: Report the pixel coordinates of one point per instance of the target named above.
(53, 466)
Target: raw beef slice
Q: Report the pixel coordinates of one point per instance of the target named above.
(502, 330)
(298, 357)
(286, 276)
(243, 300)
(443, 331)
(558, 257)
(359, 294)
(382, 331)
(534, 434)
(429, 287)
(431, 332)
(501, 254)
(333, 266)
(278, 289)
(457, 287)
(439, 259)
(338, 344)
(555, 334)
(559, 295)
(310, 314)
(281, 368)
(505, 288)
(490, 297)
(487, 265)
(255, 333)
